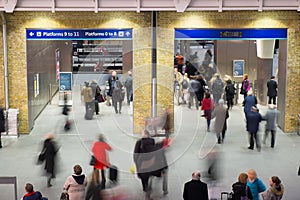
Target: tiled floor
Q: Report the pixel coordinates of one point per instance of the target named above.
(190, 151)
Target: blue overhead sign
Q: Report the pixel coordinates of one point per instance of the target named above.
(230, 34)
(79, 34)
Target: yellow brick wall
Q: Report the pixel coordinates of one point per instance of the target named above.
(140, 22)
(19, 21)
(168, 21)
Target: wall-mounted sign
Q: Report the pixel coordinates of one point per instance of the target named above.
(36, 85)
(65, 81)
(238, 68)
(231, 34)
(79, 34)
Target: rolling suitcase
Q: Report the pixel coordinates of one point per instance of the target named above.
(89, 113)
(226, 196)
(113, 173)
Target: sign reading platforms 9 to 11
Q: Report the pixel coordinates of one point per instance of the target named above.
(79, 34)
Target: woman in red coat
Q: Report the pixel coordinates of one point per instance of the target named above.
(207, 106)
(99, 150)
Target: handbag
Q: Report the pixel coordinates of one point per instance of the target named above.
(93, 161)
(101, 98)
(64, 195)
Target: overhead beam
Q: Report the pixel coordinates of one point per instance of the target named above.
(96, 6)
(220, 6)
(138, 6)
(181, 5)
(260, 5)
(10, 5)
(53, 6)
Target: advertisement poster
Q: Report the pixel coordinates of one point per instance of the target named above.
(65, 81)
(57, 61)
(238, 67)
(36, 85)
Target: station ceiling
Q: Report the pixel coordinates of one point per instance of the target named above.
(147, 5)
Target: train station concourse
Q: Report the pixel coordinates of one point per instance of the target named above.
(190, 77)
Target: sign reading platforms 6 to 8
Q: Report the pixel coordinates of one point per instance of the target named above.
(79, 34)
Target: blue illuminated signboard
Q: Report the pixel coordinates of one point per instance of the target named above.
(79, 34)
(65, 81)
(230, 34)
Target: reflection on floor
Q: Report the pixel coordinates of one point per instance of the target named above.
(190, 151)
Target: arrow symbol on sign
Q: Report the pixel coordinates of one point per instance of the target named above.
(31, 34)
(127, 34)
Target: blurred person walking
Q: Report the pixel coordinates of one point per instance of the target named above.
(88, 99)
(150, 160)
(2, 124)
(49, 151)
(255, 184)
(94, 187)
(96, 93)
(207, 106)
(111, 81)
(185, 89)
(254, 118)
(195, 189)
(177, 85)
(75, 184)
(271, 118)
(240, 189)
(275, 191)
(31, 194)
(272, 90)
(194, 90)
(229, 92)
(128, 86)
(117, 96)
(248, 103)
(222, 115)
(99, 150)
(245, 86)
(217, 89)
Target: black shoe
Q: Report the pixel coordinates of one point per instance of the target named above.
(49, 185)
(116, 112)
(250, 148)
(120, 112)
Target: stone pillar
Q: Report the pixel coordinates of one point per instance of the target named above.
(264, 72)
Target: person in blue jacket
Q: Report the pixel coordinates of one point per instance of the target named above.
(255, 184)
(253, 120)
(31, 194)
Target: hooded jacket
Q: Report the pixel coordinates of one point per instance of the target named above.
(275, 192)
(75, 185)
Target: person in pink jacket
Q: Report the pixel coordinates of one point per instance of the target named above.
(76, 184)
(99, 150)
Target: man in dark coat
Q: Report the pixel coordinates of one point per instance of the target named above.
(150, 161)
(2, 124)
(248, 103)
(50, 149)
(253, 120)
(272, 90)
(195, 189)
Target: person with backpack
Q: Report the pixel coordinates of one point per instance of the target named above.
(240, 190)
(117, 95)
(229, 92)
(217, 89)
